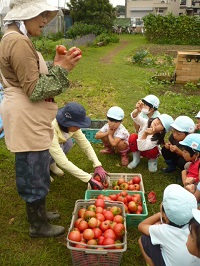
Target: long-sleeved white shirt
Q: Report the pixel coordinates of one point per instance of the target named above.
(60, 158)
(143, 144)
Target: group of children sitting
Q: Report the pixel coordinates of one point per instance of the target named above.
(182, 149)
(170, 237)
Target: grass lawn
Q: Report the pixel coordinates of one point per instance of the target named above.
(104, 77)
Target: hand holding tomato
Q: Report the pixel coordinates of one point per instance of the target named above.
(61, 50)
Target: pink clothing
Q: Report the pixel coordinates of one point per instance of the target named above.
(193, 170)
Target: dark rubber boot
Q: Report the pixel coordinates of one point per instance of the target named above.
(39, 226)
(171, 167)
(52, 216)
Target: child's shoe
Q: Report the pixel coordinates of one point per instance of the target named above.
(136, 160)
(107, 150)
(124, 157)
(153, 165)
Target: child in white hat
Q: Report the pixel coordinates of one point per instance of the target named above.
(151, 134)
(197, 127)
(191, 153)
(165, 234)
(193, 242)
(114, 135)
(171, 152)
(149, 108)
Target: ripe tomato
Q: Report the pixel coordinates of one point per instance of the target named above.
(104, 226)
(120, 181)
(97, 232)
(76, 50)
(108, 215)
(108, 241)
(99, 203)
(88, 234)
(119, 230)
(100, 240)
(81, 213)
(82, 225)
(136, 180)
(112, 224)
(92, 242)
(100, 217)
(61, 49)
(109, 233)
(92, 222)
(132, 206)
(80, 246)
(140, 209)
(99, 210)
(77, 222)
(113, 197)
(118, 219)
(75, 236)
(136, 187)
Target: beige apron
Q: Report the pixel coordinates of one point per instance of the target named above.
(27, 125)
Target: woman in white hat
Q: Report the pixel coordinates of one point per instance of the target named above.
(28, 107)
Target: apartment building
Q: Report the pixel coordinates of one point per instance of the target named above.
(137, 9)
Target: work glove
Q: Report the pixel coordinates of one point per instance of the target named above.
(102, 173)
(152, 197)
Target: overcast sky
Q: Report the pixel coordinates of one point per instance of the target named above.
(61, 2)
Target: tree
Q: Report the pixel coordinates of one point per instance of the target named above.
(93, 12)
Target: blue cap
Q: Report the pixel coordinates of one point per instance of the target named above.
(178, 204)
(116, 113)
(166, 121)
(152, 99)
(192, 141)
(73, 115)
(184, 124)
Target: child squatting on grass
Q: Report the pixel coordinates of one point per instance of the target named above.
(193, 242)
(171, 152)
(165, 233)
(151, 134)
(67, 125)
(191, 153)
(114, 135)
(149, 108)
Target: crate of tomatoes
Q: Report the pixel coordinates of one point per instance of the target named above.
(122, 181)
(97, 233)
(134, 203)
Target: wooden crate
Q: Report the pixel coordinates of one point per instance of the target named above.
(188, 67)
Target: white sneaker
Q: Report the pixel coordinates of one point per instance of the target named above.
(56, 170)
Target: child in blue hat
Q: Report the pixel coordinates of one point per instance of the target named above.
(191, 153)
(171, 151)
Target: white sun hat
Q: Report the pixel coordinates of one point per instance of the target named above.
(196, 214)
(198, 115)
(116, 113)
(27, 9)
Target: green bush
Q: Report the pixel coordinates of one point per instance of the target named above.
(106, 38)
(172, 29)
(81, 29)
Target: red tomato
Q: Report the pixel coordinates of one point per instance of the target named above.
(77, 222)
(97, 232)
(118, 219)
(140, 209)
(108, 241)
(89, 214)
(129, 198)
(82, 225)
(108, 215)
(61, 49)
(77, 50)
(92, 222)
(97, 177)
(99, 203)
(136, 180)
(113, 197)
(104, 226)
(119, 230)
(136, 187)
(100, 217)
(100, 196)
(80, 246)
(99, 210)
(75, 236)
(124, 193)
(92, 242)
(132, 206)
(88, 234)
(109, 233)
(100, 240)
(112, 224)
(120, 181)
(122, 199)
(81, 213)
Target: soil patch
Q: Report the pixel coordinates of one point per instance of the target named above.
(108, 58)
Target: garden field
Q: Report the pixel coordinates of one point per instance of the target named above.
(105, 76)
